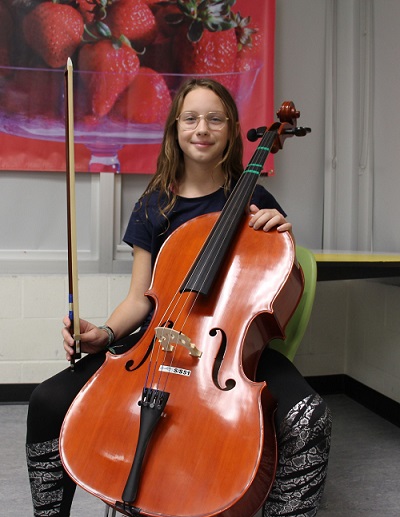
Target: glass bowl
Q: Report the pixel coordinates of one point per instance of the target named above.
(32, 106)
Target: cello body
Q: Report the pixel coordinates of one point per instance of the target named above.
(213, 451)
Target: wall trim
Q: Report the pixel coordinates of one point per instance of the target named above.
(381, 405)
(16, 393)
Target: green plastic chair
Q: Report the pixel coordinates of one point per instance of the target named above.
(298, 323)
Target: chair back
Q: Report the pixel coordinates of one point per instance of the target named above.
(298, 323)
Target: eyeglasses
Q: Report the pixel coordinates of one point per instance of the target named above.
(189, 120)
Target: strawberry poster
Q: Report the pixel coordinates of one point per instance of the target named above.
(129, 57)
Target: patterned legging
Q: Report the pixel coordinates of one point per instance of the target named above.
(303, 447)
(302, 421)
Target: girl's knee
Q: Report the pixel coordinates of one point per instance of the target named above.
(46, 412)
(39, 402)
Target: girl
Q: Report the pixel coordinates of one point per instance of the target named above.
(199, 163)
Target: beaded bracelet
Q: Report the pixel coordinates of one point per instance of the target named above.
(110, 333)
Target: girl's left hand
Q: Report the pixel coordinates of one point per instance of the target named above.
(266, 219)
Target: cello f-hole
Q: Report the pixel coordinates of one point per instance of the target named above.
(130, 365)
(230, 383)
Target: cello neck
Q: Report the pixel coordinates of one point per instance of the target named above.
(205, 269)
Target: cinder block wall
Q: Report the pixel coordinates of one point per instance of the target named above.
(354, 327)
(31, 313)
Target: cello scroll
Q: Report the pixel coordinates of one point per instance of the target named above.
(287, 127)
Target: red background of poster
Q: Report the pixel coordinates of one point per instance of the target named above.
(26, 154)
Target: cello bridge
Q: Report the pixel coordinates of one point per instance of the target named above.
(169, 337)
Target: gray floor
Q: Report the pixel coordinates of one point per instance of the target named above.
(363, 477)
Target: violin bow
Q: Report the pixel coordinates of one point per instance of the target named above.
(71, 214)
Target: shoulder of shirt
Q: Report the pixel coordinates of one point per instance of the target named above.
(150, 200)
(260, 190)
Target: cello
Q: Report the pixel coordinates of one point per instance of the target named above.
(177, 426)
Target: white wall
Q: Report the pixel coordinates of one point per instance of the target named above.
(331, 197)
(300, 77)
(355, 329)
(373, 336)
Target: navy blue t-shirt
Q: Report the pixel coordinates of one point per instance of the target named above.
(148, 228)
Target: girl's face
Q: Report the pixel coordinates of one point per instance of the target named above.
(203, 145)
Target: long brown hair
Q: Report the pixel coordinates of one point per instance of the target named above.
(170, 160)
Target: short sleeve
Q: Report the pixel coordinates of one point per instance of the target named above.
(139, 229)
(264, 199)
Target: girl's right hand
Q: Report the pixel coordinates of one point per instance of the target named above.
(92, 338)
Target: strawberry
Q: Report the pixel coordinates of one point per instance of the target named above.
(147, 99)
(207, 39)
(161, 54)
(54, 31)
(214, 54)
(117, 63)
(250, 42)
(247, 59)
(134, 20)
